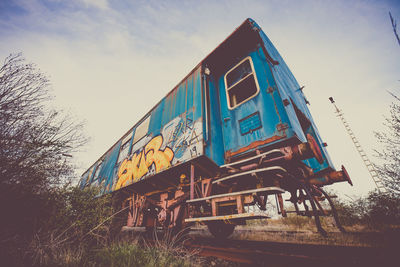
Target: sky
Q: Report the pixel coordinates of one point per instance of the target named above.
(110, 62)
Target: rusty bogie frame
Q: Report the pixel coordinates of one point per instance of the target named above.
(222, 200)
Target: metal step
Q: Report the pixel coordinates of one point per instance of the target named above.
(232, 217)
(251, 158)
(271, 190)
(274, 168)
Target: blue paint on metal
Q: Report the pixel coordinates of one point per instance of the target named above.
(131, 143)
(215, 147)
(290, 89)
(267, 102)
(83, 181)
(156, 120)
(92, 176)
(250, 123)
(189, 93)
(197, 97)
(180, 102)
(108, 167)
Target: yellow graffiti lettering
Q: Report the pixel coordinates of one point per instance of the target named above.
(124, 173)
(161, 159)
(138, 166)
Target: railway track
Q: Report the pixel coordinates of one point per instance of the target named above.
(268, 253)
(261, 253)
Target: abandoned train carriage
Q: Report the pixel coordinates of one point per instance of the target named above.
(235, 130)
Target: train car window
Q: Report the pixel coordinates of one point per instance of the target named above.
(141, 130)
(89, 176)
(85, 178)
(123, 153)
(124, 150)
(241, 83)
(97, 172)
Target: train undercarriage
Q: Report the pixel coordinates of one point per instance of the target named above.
(221, 198)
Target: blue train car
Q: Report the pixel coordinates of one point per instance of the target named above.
(234, 131)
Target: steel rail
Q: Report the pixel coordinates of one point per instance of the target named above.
(259, 253)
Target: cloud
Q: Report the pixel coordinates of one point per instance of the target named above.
(111, 61)
(101, 4)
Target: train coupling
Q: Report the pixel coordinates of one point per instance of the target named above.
(332, 177)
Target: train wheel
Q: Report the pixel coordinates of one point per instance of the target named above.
(333, 209)
(220, 229)
(314, 209)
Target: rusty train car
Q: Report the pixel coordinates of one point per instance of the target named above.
(235, 131)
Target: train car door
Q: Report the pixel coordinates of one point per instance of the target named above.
(249, 110)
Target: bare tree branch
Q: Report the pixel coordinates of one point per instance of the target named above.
(389, 155)
(33, 139)
(394, 26)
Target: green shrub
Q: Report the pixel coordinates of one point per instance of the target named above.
(75, 222)
(377, 210)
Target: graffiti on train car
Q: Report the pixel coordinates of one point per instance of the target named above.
(184, 137)
(179, 141)
(133, 169)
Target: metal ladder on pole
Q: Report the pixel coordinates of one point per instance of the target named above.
(370, 167)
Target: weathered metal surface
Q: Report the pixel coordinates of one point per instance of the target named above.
(331, 177)
(268, 106)
(253, 145)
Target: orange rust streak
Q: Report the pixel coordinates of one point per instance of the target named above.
(254, 145)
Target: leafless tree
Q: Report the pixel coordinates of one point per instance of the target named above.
(35, 142)
(389, 170)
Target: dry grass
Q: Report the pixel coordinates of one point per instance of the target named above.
(52, 251)
(167, 250)
(302, 230)
(296, 229)
(308, 237)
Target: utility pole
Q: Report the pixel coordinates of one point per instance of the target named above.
(370, 167)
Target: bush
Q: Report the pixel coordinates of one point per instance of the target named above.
(77, 221)
(383, 209)
(376, 211)
(63, 220)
